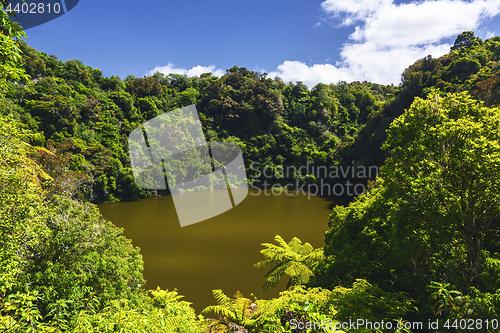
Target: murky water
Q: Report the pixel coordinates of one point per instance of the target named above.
(218, 253)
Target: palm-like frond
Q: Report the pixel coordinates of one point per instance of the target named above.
(221, 311)
(306, 249)
(314, 256)
(276, 253)
(234, 313)
(265, 263)
(278, 239)
(273, 277)
(163, 297)
(221, 298)
(293, 259)
(224, 309)
(295, 245)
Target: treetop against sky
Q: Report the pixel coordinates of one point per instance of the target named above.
(310, 41)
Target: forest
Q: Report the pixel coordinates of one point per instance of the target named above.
(421, 245)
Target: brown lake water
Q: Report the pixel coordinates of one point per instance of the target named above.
(218, 253)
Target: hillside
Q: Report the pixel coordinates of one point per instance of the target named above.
(421, 245)
(86, 117)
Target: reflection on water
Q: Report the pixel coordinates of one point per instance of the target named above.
(218, 253)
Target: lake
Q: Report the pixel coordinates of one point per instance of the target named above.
(218, 253)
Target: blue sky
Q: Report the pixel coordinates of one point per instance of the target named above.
(298, 40)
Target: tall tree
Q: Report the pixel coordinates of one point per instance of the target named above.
(465, 40)
(444, 172)
(434, 213)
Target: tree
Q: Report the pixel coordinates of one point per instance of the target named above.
(10, 55)
(461, 69)
(293, 259)
(434, 213)
(443, 173)
(235, 314)
(165, 312)
(465, 40)
(21, 203)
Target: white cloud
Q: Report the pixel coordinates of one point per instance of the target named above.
(368, 62)
(350, 11)
(490, 34)
(423, 23)
(311, 75)
(194, 71)
(389, 37)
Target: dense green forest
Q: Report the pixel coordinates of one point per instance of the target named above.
(85, 118)
(421, 244)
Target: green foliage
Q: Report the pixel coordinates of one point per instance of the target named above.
(432, 216)
(234, 314)
(21, 203)
(369, 302)
(487, 305)
(83, 252)
(465, 40)
(63, 266)
(357, 243)
(294, 260)
(450, 302)
(120, 316)
(10, 54)
(461, 69)
(276, 124)
(294, 306)
(444, 151)
(21, 306)
(430, 221)
(303, 309)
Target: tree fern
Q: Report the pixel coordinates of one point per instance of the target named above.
(238, 313)
(292, 259)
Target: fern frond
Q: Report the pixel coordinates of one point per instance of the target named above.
(221, 311)
(295, 245)
(273, 277)
(306, 249)
(278, 239)
(265, 263)
(276, 273)
(238, 295)
(314, 256)
(277, 253)
(221, 298)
